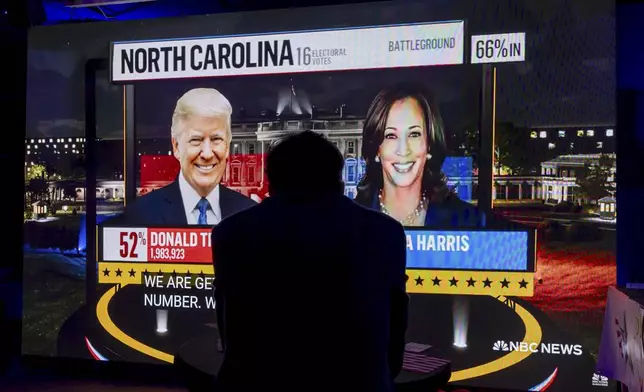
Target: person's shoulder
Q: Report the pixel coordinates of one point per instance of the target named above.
(155, 196)
(472, 215)
(376, 219)
(245, 216)
(149, 201)
(453, 202)
(237, 198)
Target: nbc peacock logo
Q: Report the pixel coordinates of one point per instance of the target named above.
(599, 381)
(500, 345)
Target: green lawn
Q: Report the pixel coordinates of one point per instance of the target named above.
(49, 298)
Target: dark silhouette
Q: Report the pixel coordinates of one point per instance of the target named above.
(310, 286)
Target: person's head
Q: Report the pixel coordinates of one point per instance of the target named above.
(201, 136)
(403, 139)
(306, 164)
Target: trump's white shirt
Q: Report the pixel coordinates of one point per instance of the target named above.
(190, 199)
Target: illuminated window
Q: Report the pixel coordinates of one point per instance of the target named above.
(580, 133)
(602, 207)
(543, 134)
(562, 133)
(551, 146)
(612, 207)
(600, 144)
(590, 133)
(351, 173)
(533, 135)
(610, 133)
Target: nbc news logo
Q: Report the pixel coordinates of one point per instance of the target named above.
(500, 345)
(543, 348)
(599, 380)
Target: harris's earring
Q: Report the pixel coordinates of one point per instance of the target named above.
(429, 156)
(377, 159)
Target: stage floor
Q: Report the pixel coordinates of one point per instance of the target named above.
(14, 378)
(83, 386)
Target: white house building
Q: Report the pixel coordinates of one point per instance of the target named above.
(559, 175)
(252, 139)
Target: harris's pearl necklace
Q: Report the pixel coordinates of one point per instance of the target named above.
(411, 218)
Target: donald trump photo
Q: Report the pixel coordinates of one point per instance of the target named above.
(201, 137)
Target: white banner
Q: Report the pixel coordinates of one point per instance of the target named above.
(312, 51)
(125, 244)
(621, 352)
(498, 48)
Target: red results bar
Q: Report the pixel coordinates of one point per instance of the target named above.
(179, 245)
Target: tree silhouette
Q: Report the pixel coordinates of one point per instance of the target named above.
(38, 189)
(37, 186)
(37, 172)
(598, 179)
(512, 149)
(467, 143)
(71, 169)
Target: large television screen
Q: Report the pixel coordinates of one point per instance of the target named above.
(435, 113)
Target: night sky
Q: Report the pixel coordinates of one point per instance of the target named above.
(567, 79)
(455, 88)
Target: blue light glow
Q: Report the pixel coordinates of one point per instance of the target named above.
(57, 13)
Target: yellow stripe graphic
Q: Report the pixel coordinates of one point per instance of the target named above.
(533, 334)
(104, 318)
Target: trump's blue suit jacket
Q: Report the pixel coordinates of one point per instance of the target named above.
(165, 207)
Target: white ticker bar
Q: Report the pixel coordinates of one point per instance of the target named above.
(498, 48)
(415, 45)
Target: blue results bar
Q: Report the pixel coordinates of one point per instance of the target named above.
(468, 250)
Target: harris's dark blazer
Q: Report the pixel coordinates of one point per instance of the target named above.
(165, 207)
(310, 296)
(452, 212)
